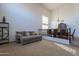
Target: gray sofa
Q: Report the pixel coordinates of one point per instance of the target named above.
(27, 37)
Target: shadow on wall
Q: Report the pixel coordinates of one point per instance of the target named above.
(20, 15)
(71, 23)
(21, 18)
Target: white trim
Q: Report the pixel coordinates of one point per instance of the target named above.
(63, 41)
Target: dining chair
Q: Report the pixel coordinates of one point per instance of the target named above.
(71, 35)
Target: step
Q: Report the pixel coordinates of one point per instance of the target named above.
(59, 40)
(75, 43)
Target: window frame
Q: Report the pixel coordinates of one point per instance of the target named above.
(43, 23)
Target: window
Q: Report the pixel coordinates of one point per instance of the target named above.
(44, 22)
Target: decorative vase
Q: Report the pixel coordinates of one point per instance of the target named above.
(4, 19)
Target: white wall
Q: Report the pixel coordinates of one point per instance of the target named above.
(69, 13)
(23, 17)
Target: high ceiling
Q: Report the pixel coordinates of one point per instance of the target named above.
(52, 6)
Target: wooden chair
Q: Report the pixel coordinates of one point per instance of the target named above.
(72, 35)
(62, 30)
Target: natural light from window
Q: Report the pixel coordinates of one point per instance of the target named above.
(66, 48)
(44, 22)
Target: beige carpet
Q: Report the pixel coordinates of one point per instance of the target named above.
(41, 48)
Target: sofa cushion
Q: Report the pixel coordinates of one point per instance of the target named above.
(27, 34)
(33, 33)
(32, 36)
